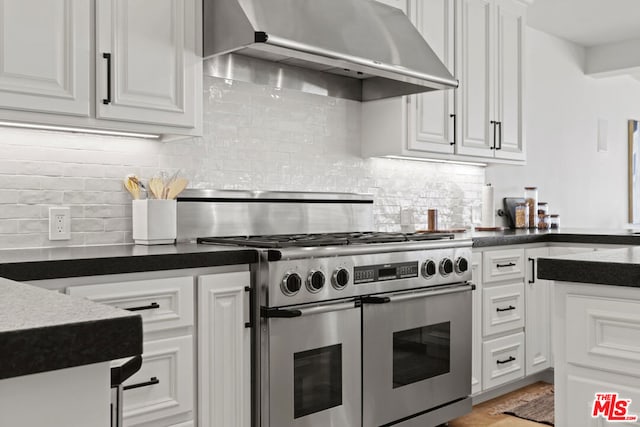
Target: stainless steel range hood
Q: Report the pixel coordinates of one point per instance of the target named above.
(365, 50)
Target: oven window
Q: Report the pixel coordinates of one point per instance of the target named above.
(317, 380)
(421, 353)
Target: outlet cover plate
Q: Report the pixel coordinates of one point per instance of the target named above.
(59, 223)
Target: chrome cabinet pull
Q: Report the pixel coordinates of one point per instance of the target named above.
(151, 306)
(107, 101)
(505, 309)
(502, 362)
(152, 381)
(511, 264)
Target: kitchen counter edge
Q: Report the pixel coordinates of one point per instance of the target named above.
(43, 331)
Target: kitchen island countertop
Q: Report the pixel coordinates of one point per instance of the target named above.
(43, 331)
(620, 267)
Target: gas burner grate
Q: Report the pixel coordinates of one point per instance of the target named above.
(329, 239)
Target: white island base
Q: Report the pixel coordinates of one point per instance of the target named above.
(597, 350)
(74, 397)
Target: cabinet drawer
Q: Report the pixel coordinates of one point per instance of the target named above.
(503, 360)
(165, 382)
(503, 265)
(162, 303)
(604, 333)
(502, 308)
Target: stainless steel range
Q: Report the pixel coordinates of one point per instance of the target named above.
(357, 328)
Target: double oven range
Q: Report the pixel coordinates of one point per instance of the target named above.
(357, 328)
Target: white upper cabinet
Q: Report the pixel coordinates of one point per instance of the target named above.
(147, 75)
(490, 98)
(45, 49)
(481, 42)
(432, 114)
(146, 65)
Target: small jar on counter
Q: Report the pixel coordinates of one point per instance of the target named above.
(554, 221)
(544, 222)
(522, 215)
(531, 197)
(543, 208)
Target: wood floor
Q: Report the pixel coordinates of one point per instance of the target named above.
(482, 415)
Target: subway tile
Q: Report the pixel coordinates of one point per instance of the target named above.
(40, 197)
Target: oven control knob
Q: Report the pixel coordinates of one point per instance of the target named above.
(340, 278)
(291, 284)
(446, 267)
(429, 269)
(315, 281)
(462, 265)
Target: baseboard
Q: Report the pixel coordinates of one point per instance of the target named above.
(546, 376)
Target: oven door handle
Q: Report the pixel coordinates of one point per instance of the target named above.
(406, 296)
(307, 311)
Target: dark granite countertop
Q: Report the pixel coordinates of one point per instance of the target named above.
(570, 235)
(619, 267)
(52, 263)
(43, 331)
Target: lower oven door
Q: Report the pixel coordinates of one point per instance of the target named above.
(314, 366)
(416, 352)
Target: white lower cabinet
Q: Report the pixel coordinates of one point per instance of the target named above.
(476, 332)
(224, 345)
(163, 387)
(538, 315)
(502, 360)
(503, 308)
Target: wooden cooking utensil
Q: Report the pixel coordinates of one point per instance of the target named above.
(175, 187)
(156, 186)
(132, 187)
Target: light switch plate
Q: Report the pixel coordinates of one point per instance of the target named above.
(59, 223)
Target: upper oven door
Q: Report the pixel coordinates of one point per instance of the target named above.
(416, 352)
(314, 367)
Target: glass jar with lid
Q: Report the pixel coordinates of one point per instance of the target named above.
(521, 215)
(531, 197)
(543, 208)
(544, 221)
(554, 221)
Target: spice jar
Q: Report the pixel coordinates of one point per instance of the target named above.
(554, 221)
(531, 197)
(522, 215)
(544, 222)
(543, 208)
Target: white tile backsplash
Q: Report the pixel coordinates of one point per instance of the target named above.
(256, 137)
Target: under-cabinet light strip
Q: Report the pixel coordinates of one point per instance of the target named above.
(80, 130)
(453, 162)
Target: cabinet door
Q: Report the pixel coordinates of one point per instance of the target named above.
(151, 73)
(476, 326)
(538, 315)
(474, 68)
(224, 351)
(431, 125)
(509, 91)
(45, 56)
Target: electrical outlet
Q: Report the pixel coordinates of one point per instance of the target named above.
(59, 224)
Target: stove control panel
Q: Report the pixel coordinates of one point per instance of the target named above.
(379, 273)
(310, 280)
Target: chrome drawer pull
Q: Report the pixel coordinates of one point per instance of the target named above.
(510, 359)
(505, 309)
(152, 381)
(511, 264)
(144, 307)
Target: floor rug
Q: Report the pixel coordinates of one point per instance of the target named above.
(536, 408)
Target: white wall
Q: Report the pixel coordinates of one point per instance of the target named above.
(255, 138)
(586, 187)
